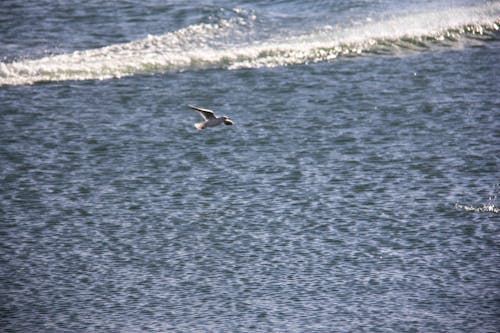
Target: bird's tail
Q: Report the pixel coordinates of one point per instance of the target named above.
(199, 126)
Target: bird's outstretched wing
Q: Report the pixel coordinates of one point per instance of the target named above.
(205, 113)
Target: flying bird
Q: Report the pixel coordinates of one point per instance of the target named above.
(210, 118)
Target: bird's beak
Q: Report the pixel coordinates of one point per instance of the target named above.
(228, 122)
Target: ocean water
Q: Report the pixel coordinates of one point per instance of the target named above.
(357, 192)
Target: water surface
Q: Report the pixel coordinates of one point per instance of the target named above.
(357, 192)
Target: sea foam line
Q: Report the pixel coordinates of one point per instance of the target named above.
(220, 46)
(490, 208)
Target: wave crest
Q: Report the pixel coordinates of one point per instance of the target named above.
(230, 44)
(478, 209)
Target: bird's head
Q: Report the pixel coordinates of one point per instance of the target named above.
(227, 121)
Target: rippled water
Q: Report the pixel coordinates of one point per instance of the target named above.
(358, 194)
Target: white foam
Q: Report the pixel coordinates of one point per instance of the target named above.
(490, 208)
(224, 45)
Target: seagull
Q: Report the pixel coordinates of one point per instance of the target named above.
(210, 118)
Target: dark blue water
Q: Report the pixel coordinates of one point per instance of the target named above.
(357, 192)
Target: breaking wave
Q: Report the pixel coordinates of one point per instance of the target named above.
(490, 208)
(229, 44)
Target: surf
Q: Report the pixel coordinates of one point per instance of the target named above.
(230, 44)
(485, 208)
